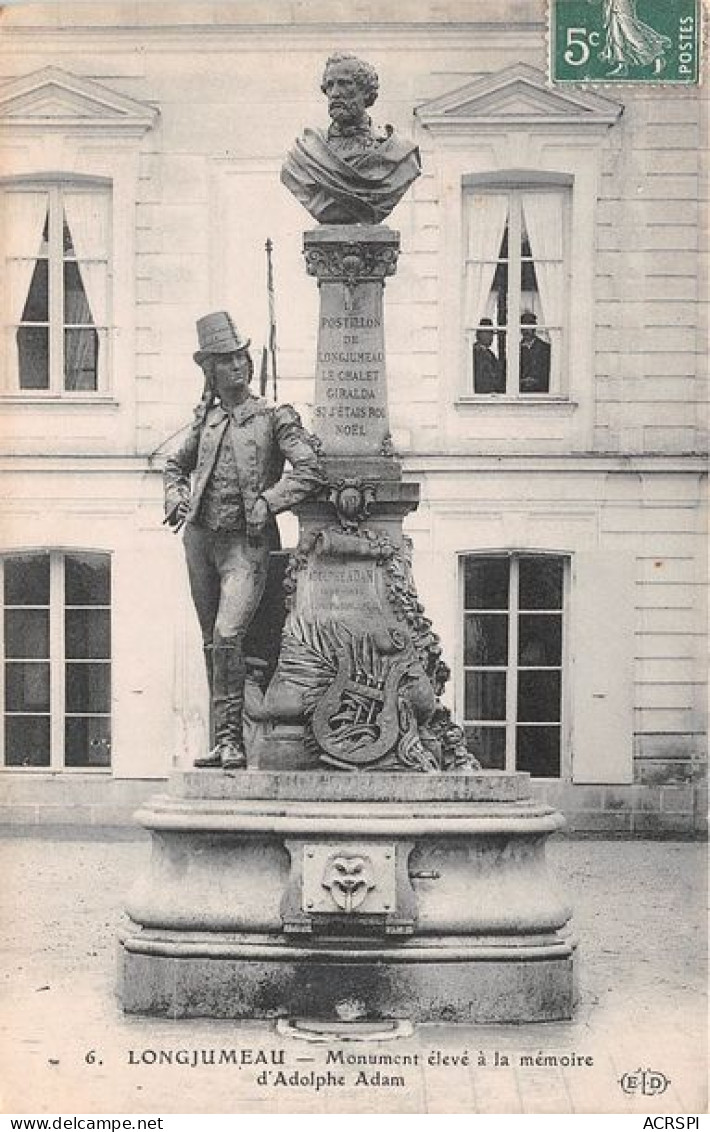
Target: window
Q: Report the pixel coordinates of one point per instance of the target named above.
(513, 608)
(56, 238)
(515, 286)
(56, 664)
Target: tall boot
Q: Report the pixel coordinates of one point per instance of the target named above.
(228, 702)
(213, 760)
(208, 651)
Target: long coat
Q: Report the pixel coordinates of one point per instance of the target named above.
(488, 374)
(264, 437)
(535, 366)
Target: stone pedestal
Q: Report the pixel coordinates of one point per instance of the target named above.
(360, 671)
(371, 895)
(351, 263)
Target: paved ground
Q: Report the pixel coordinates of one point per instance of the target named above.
(639, 915)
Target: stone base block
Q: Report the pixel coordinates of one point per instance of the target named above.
(481, 990)
(370, 896)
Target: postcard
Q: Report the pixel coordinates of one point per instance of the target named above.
(353, 558)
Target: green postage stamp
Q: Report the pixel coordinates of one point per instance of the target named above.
(631, 41)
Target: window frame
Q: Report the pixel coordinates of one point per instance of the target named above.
(510, 125)
(55, 187)
(514, 186)
(510, 723)
(57, 661)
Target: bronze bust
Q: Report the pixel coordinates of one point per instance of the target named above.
(353, 172)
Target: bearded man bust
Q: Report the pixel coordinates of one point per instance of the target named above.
(353, 172)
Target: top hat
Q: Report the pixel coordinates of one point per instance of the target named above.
(485, 322)
(217, 334)
(528, 317)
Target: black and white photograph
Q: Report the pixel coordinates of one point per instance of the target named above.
(353, 558)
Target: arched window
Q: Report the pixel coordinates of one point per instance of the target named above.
(513, 653)
(56, 666)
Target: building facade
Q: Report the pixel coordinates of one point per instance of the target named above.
(546, 333)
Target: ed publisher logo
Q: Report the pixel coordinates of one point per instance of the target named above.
(645, 1081)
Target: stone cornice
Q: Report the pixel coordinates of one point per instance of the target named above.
(590, 462)
(424, 462)
(522, 38)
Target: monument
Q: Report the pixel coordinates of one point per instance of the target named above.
(362, 864)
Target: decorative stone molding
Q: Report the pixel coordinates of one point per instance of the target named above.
(517, 96)
(56, 100)
(352, 499)
(333, 256)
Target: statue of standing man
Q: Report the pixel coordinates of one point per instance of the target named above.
(234, 452)
(353, 172)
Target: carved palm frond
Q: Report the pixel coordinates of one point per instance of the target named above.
(309, 652)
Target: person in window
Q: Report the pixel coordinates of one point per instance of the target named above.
(236, 447)
(534, 357)
(488, 376)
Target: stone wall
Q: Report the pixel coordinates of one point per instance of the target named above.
(650, 309)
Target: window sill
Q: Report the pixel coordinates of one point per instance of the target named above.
(539, 403)
(53, 400)
(54, 772)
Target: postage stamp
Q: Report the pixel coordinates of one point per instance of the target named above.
(627, 41)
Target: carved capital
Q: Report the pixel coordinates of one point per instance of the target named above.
(334, 259)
